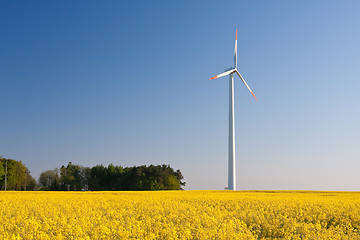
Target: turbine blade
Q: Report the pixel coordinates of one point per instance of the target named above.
(235, 51)
(223, 74)
(245, 84)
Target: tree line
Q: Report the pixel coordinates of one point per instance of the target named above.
(111, 178)
(15, 176)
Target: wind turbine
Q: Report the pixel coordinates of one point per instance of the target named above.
(231, 71)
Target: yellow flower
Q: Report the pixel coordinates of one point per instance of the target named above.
(180, 215)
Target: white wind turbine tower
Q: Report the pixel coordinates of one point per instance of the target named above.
(231, 71)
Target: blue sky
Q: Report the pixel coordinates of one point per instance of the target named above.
(128, 83)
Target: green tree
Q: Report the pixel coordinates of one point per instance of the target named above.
(97, 178)
(50, 180)
(31, 184)
(72, 177)
(17, 174)
(85, 177)
(172, 183)
(114, 178)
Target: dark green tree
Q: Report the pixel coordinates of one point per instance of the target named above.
(72, 178)
(112, 178)
(50, 180)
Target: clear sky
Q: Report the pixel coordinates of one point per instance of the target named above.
(127, 82)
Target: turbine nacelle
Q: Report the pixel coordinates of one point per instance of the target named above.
(230, 68)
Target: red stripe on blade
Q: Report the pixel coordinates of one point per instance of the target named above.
(253, 95)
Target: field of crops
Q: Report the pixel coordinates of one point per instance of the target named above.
(180, 215)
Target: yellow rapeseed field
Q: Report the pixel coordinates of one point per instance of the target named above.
(180, 215)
